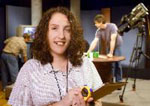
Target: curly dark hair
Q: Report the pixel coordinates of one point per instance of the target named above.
(40, 46)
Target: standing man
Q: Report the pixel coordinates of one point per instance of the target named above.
(110, 42)
(13, 47)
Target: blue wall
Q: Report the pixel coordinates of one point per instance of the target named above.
(88, 24)
(16, 16)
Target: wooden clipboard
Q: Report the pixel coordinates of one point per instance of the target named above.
(106, 89)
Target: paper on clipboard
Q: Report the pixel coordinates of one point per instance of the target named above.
(106, 89)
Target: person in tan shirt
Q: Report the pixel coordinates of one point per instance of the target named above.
(13, 47)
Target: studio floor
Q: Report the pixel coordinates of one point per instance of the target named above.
(139, 97)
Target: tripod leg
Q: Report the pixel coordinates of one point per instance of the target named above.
(134, 84)
(121, 96)
(132, 59)
(138, 55)
(135, 69)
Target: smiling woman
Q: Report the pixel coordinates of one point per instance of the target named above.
(58, 71)
(67, 25)
(59, 34)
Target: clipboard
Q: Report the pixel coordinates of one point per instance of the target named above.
(106, 89)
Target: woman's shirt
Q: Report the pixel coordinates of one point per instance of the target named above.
(36, 84)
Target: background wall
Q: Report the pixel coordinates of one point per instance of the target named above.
(88, 24)
(16, 16)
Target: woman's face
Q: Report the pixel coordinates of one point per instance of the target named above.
(59, 34)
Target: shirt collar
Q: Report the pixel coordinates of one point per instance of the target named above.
(48, 67)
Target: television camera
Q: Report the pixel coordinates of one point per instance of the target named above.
(133, 20)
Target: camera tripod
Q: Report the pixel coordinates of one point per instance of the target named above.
(134, 60)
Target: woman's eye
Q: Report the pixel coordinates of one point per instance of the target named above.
(54, 28)
(68, 30)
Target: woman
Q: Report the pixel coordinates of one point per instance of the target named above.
(58, 71)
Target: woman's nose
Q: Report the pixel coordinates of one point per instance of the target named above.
(61, 34)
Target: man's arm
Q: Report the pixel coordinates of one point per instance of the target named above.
(93, 44)
(112, 45)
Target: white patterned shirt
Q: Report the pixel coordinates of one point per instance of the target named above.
(36, 84)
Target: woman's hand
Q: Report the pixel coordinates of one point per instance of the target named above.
(74, 98)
